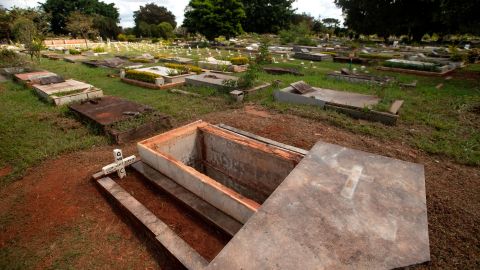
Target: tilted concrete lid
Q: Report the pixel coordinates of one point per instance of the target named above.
(338, 209)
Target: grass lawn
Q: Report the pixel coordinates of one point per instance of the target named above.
(439, 121)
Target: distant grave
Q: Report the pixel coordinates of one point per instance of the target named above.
(417, 67)
(220, 65)
(115, 63)
(74, 58)
(282, 71)
(178, 60)
(158, 77)
(359, 78)
(120, 119)
(66, 92)
(214, 80)
(31, 78)
(354, 104)
(312, 56)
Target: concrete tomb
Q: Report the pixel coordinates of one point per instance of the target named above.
(350, 103)
(34, 77)
(113, 115)
(312, 56)
(328, 208)
(67, 92)
(215, 80)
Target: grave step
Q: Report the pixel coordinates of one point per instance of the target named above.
(201, 207)
(153, 226)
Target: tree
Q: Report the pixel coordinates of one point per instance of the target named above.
(413, 18)
(153, 14)
(106, 27)
(166, 30)
(80, 24)
(61, 9)
(27, 33)
(331, 22)
(213, 18)
(267, 16)
(302, 18)
(318, 26)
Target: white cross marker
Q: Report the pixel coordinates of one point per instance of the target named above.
(119, 164)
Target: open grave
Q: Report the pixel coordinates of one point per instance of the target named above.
(121, 119)
(214, 80)
(65, 92)
(354, 104)
(330, 208)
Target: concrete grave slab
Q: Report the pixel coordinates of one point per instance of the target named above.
(67, 92)
(105, 112)
(74, 58)
(338, 209)
(353, 104)
(215, 80)
(312, 56)
(33, 77)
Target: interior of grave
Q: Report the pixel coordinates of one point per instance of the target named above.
(250, 168)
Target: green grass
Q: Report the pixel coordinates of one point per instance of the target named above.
(438, 121)
(30, 132)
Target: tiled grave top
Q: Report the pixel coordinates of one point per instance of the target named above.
(159, 70)
(66, 86)
(410, 62)
(34, 75)
(338, 209)
(212, 60)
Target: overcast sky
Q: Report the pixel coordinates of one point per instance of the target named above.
(323, 8)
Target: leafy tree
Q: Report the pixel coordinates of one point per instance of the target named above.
(213, 18)
(267, 16)
(166, 30)
(298, 34)
(153, 14)
(61, 9)
(413, 18)
(331, 22)
(318, 26)
(27, 33)
(302, 18)
(80, 24)
(106, 27)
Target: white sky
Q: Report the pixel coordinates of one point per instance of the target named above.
(323, 8)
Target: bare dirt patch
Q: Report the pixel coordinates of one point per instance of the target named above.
(5, 170)
(56, 217)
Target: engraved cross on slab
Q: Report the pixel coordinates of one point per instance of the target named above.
(119, 164)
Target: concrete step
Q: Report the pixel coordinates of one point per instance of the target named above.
(210, 213)
(153, 226)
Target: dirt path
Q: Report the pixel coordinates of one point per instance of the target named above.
(56, 218)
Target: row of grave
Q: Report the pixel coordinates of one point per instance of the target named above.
(350, 103)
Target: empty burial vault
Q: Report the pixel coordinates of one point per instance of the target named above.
(329, 208)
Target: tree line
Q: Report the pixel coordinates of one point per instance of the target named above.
(229, 18)
(413, 18)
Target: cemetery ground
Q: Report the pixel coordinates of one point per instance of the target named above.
(55, 217)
